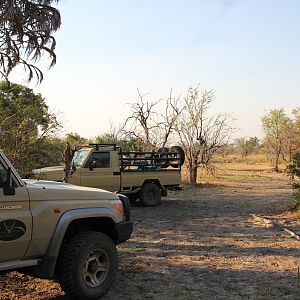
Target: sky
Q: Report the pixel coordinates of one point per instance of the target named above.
(247, 51)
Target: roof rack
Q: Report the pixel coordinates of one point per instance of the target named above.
(97, 146)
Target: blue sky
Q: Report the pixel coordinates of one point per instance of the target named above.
(248, 51)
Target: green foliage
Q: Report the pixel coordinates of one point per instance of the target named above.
(226, 150)
(280, 139)
(25, 126)
(275, 121)
(111, 138)
(75, 140)
(244, 146)
(294, 167)
(294, 171)
(26, 28)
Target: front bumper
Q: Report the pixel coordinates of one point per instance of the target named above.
(123, 231)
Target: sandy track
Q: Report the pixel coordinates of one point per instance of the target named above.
(201, 243)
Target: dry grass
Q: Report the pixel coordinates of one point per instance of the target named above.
(235, 168)
(202, 243)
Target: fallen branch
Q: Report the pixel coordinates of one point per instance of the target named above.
(264, 221)
(269, 223)
(292, 234)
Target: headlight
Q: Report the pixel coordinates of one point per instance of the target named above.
(118, 206)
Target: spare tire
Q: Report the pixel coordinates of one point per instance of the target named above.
(163, 162)
(178, 149)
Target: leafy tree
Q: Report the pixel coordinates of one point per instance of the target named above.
(75, 140)
(226, 149)
(26, 33)
(276, 125)
(292, 145)
(113, 138)
(242, 146)
(282, 134)
(119, 137)
(246, 146)
(25, 125)
(254, 144)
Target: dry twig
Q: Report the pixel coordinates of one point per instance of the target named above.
(269, 223)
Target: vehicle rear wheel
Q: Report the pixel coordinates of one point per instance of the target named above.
(87, 265)
(150, 195)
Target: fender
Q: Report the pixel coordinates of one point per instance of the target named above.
(47, 267)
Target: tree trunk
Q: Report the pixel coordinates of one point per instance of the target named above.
(276, 162)
(68, 163)
(278, 152)
(193, 168)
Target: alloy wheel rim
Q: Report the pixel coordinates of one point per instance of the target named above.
(95, 268)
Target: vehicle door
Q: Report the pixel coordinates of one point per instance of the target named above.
(78, 163)
(98, 172)
(15, 217)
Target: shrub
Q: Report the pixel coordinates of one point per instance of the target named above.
(294, 172)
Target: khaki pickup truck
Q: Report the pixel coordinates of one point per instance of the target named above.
(58, 230)
(138, 174)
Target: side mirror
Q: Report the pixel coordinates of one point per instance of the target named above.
(8, 187)
(92, 164)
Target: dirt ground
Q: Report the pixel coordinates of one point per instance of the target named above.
(201, 243)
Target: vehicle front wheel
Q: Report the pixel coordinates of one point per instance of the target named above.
(87, 265)
(150, 195)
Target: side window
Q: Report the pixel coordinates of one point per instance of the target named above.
(99, 160)
(3, 174)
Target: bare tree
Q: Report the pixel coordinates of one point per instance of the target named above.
(168, 117)
(26, 28)
(186, 119)
(152, 122)
(142, 123)
(200, 134)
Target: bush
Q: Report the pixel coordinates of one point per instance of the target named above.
(294, 172)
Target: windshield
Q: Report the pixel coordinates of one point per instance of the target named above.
(79, 157)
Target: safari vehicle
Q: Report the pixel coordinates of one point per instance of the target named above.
(143, 175)
(62, 231)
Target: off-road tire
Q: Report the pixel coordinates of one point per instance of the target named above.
(150, 195)
(77, 255)
(178, 149)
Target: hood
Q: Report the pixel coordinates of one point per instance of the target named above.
(55, 173)
(50, 190)
(48, 169)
